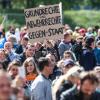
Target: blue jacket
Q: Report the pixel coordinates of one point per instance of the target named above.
(97, 55)
(63, 46)
(2, 42)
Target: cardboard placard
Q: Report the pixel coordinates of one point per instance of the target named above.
(44, 23)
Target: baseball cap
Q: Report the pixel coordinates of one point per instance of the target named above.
(68, 62)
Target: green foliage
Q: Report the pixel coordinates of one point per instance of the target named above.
(82, 18)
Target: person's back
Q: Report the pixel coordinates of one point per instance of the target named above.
(87, 59)
(41, 88)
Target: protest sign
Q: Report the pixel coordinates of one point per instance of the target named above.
(44, 22)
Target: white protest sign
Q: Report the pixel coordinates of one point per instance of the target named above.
(44, 22)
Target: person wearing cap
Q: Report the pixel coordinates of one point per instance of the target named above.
(87, 58)
(68, 63)
(82, 31)
(65, 44)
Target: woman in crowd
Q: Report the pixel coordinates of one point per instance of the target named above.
(30, 70)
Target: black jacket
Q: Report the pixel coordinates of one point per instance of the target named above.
(87, 59)
(66, 85)
(19, 49)
(79, 96)
(77, 49)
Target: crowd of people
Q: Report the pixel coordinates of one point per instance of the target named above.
(65, 69)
